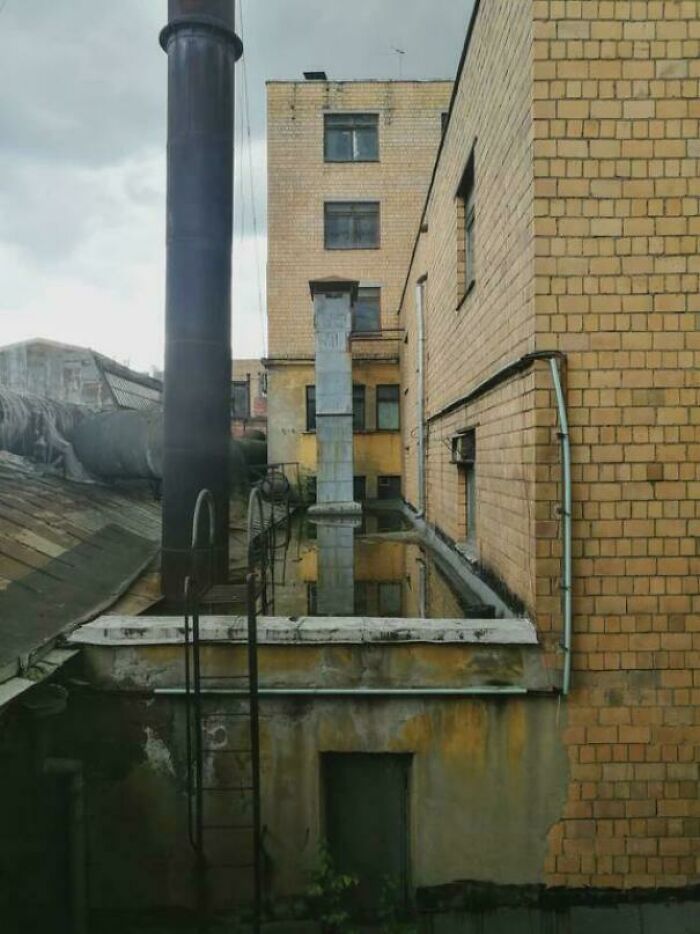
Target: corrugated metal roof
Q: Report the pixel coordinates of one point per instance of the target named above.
(67, 551)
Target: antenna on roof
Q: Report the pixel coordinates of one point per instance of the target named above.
(400, 54)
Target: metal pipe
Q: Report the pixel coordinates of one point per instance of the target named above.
(420, 401)
(202, 47)
(73, 770)
(476, 691)
(566, 576)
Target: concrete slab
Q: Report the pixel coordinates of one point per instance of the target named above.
(160, 630)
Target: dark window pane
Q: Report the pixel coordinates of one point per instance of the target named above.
(351, 225)
(240, 400)
(366, 314)
(351, 137)
(311, 408)
(390, 599)
(358, 408)
(358, 489)
(366, 145)
(388, 408)
(388, 487)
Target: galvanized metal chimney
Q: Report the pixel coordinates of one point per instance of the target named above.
(202, 48)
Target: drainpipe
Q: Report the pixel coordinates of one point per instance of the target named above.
(566, 575)
(72, 770)
(420, 402)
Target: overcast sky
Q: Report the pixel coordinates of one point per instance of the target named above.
(82, 151)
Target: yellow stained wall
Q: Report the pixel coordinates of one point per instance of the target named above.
(377, 453)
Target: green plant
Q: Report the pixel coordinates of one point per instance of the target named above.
(329, 895)
(392, 909)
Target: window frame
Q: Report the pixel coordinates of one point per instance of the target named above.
(359, 390)
(379, 403)
(349, 116)
(356, 332)
(359, 408)
(240, 384)
(466, 247)
(310, 399)
(329, 208)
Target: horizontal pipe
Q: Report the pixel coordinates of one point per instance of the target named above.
(475, 691)
(496, 379)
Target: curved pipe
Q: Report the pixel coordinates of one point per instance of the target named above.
(566, 576)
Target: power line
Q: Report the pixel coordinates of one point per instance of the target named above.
(249, 147)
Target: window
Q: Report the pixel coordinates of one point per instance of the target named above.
(351, 225)
(443, 121)
(468, 212)
(311, 408)
(359, 487)
(351, 138)
(240, 399)
(366, 312)
(464, 455)
(388, 487)
(389, 595)
(358, 408)
(387, 408)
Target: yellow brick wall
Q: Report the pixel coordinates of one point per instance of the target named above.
(586, 114)
(616, 162)
(376, 453)
(468, 339)
(299, 182)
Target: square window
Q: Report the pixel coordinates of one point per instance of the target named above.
(351, 225)
(351, 137)
(388, 408)
(366, 312)
(388, 487)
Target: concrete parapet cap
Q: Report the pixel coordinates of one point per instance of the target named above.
(334, 510)
(332, 285)
(307, 630)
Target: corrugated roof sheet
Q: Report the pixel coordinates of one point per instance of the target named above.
(67, 551)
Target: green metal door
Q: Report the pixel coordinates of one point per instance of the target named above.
(366, 819)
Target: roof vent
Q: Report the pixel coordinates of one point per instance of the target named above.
(316, 76)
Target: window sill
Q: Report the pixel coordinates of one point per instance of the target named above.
(328, 161)
(470, 289)
(368, 248)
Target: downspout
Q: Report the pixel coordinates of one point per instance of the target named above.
(420, 401)
(72, 769)
(566, 520)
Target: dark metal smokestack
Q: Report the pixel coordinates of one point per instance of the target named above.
(202, 48)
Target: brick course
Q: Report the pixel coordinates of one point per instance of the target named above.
(585, 115)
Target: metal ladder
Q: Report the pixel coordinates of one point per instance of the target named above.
(222, 711)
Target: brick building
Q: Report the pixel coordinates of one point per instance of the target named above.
(562, 223)
(248, 396)
(348, 169)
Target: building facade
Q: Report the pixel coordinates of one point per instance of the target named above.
(348, 169)
(562, 223)
(76, 375)
(248, 396)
